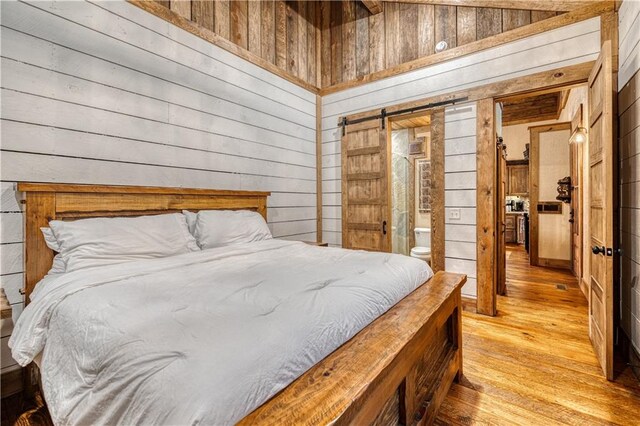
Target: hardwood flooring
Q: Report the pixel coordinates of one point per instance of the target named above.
(533, 363)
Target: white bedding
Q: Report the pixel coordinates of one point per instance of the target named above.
(203, 337)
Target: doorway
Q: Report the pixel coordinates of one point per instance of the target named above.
(411, 184)
(539, 182)
(383, 197)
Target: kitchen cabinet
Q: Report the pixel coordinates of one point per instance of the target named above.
(514, 230)
(517, 178)
(510, 233)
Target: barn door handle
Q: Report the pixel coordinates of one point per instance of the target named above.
(384, 227)
(597, 250)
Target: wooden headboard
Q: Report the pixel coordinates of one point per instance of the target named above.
(45, 202)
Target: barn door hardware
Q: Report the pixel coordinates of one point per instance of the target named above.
(344, 122)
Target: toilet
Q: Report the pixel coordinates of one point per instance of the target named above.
(422, 250)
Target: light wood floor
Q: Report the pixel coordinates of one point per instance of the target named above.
(533, 363)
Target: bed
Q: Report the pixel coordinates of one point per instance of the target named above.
(395, 367)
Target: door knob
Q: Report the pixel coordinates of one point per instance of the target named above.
(597, 250)
(384, 228)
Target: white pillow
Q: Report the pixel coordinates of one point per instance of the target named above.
(216, 228)
(104, 241)
(58, 266)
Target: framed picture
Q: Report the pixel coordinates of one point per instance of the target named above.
(423, 168)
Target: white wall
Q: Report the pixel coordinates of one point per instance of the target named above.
(629, 133)
(105, 93)
(569, 45)
(460, 182)
(554, 230)
(516, 137)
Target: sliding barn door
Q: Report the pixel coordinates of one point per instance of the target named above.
(366, 206)
(601, 208)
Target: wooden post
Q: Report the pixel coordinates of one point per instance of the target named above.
(437, 190)
(486, 208)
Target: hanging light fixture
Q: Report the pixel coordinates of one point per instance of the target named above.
(579, 135)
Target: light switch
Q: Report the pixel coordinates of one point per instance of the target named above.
(454, 214)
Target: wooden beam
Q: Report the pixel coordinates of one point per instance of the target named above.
(578, 15)
(437, 188)
(373, 6)
(176, 19)
(545, 5)
(486, 208)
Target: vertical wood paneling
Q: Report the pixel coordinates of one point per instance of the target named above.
(312, 42)
(426, 26)
(336, 42)
(238, 24)
(362, 40)
(303, 48)
(332, 42)
(203, 12)
(348, 40)
(513, 18)
(222, 18)
(541, 15)
(292, 39)
(377, 48)
(445, 20)
(326, 43)
(408, 18)
(489, 22)
(254, 24)
(466, 28)
(268, 31)
(281, 35)
(392, 33)
(182, 8)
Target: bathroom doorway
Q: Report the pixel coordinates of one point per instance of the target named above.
(412, 185)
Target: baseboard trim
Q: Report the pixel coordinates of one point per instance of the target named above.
(584, 286)
(554, 263)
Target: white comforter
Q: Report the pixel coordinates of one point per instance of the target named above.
(204, 337)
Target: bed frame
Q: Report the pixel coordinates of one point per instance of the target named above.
(395, 371)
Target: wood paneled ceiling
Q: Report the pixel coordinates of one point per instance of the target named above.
(411, 122)
(533, 108)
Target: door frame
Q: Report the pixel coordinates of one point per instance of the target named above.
(534, 187)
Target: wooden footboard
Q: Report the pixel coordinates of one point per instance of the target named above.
(397, 370)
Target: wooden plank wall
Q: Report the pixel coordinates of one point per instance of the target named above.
(106, 93)
(572, 44)
(356, 43)
(285, 33)
(629, 133)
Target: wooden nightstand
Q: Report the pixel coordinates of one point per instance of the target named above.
(314, 243)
